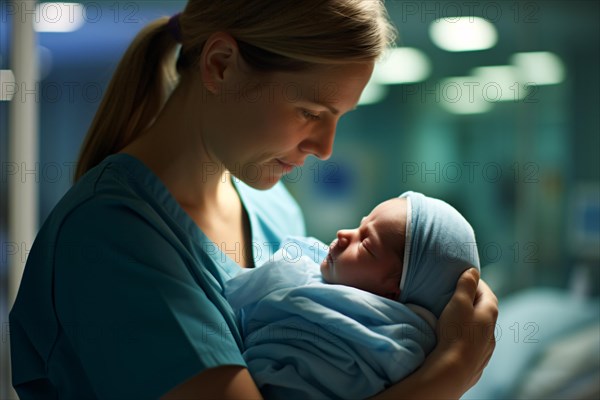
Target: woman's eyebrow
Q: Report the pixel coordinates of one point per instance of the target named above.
(331, 108)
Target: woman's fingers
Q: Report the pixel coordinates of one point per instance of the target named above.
(485, 315)
(486, 311)
(458, 312)
(466, 287)
(467, 324)
(486, 299)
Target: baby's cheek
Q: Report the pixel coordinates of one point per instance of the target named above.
(325, 271)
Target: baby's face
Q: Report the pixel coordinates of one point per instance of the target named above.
(370, 257)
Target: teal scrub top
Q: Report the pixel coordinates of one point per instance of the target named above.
(122, 293)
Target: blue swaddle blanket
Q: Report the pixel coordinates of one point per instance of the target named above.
(306, 339)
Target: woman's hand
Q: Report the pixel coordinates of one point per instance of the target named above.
(465, 331)
(465, 343)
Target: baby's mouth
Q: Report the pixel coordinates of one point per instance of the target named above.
(331, 251)
(333, 245)
(330, 260)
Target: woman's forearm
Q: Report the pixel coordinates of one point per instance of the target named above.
(438, 378)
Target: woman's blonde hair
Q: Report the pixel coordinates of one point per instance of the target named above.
(271, 35)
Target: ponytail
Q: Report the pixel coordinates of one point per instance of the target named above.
(136, 93)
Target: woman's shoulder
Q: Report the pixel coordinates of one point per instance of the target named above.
(105, 203)
(108, 183)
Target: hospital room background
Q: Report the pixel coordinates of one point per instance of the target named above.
(492, 106)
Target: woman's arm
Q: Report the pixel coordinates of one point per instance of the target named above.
(465, 342)
(226, 382)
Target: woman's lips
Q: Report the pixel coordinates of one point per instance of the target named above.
(290, 163)
(286, 167)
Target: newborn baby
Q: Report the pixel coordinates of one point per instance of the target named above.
(349, 322)
(411, 248)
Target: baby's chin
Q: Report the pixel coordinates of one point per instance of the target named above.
(324, 267)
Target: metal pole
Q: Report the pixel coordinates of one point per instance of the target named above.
(23, 151)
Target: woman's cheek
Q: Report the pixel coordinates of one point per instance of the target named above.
(282, 132)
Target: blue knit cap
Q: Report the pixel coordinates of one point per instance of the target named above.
(440, 246)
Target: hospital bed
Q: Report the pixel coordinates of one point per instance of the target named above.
(547, 347)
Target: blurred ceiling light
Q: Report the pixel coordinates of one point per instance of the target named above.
(7, 85)
(500, 83)
(463, 34)
(373, 93)
(462, 95)
(58, 17)
(402, 65)
(539, 68)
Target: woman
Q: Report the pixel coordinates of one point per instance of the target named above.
(122, 295)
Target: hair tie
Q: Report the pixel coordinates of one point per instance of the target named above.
(174, 27)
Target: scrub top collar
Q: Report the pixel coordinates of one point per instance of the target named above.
(156, 192)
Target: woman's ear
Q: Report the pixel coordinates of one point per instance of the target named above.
(217, 61)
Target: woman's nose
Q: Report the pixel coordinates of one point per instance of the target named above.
(320, 143)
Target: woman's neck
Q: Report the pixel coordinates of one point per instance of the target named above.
(173, 148)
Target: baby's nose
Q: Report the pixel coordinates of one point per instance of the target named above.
(343, 238)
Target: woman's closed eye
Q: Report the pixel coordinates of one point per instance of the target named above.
(310, 115)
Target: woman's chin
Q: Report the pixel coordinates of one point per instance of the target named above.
(261, 185)
(264, 178)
